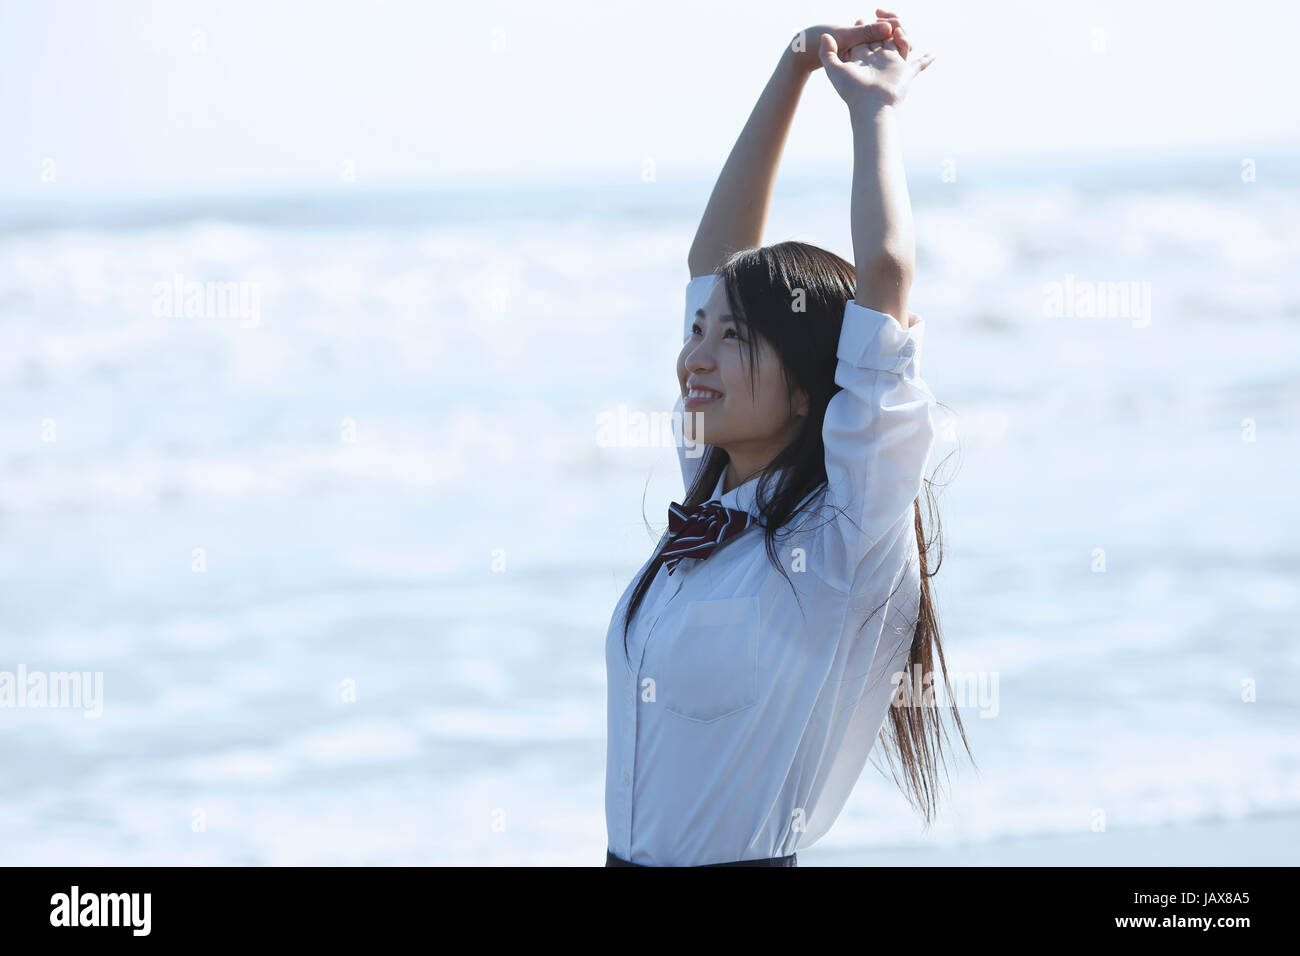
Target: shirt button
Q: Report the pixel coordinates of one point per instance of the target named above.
(625, 780)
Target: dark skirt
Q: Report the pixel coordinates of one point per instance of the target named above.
(612, 860)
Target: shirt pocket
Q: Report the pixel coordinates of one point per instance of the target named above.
(712, 666)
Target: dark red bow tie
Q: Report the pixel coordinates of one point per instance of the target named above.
(698, 529)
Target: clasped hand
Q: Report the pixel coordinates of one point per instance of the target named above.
(867, 63)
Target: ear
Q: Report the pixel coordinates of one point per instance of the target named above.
(800, 404)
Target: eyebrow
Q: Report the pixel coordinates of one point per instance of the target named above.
(700, 314)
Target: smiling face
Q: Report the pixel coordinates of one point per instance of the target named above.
(752, 422)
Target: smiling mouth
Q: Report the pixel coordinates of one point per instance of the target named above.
(700, 396)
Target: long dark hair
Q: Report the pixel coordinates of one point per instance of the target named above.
(761, 285)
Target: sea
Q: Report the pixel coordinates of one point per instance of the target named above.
(310, 494)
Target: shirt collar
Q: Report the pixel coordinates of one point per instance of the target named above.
(743, 497)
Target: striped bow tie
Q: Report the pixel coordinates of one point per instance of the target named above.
(699, 529)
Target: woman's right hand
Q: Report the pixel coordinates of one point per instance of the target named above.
(802, 48)
(877, 72)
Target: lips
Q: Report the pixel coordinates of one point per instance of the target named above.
(698, 395)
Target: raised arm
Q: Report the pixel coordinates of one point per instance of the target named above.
(877, 430)
(873, 81)
(884, 248)
(737, 207)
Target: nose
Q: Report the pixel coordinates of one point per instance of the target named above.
(700, 357)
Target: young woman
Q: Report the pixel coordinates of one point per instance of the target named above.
(752, 662)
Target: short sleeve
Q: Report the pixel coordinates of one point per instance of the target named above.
(874, 340)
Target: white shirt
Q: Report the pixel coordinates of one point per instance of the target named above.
(741, 723)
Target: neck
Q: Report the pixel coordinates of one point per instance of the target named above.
(746, 462)
(736, 474)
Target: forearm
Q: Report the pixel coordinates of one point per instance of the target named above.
(737, 208)
(884, 247)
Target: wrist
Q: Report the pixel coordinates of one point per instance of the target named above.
(792, 64)
(872, 108)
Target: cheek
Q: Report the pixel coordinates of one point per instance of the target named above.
(773, 403)
(768, 386)
(735, 379)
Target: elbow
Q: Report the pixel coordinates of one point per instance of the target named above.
(889, 270)
(886, 279)
(694, 261)
(701, 260)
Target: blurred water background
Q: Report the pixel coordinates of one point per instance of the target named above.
(392, 478)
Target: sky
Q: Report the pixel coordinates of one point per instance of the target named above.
(136, 97)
